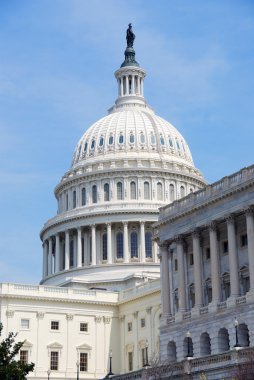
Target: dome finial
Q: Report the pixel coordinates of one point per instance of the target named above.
(129, 51)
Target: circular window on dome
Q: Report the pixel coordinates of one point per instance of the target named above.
(132, 138)
(162, 141)
(93, 144)
(142, 138)
(170, 142)
(111, 140)
(152, 139)
(101, 142)
(121, 139)
(85, 147)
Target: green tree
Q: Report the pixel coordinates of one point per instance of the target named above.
(11, 369)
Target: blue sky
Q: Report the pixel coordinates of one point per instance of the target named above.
(57, 60)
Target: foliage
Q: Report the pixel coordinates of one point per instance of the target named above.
(11, 369)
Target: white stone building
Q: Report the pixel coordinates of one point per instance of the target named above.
(207, 253)
(100, 286)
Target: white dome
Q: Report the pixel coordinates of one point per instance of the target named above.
(132, 132)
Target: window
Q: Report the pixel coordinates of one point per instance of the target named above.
(104, 247)
(121, 139)
(170, 142)
(83, 196)
(67, 202)
(132, 138)
(85, 147)
(171, 193)
(143, 352)
(130, 361)
(119, 190)
(146, 190)
(142, 138)
(207, 253)
(159, 191)
(134, 244)
(119, 245)
(162, 141)
(244, 240)
(25, 324)
(191, 259)
(129, 326)
(106, 192)
(83, 327)
(23, 356)
(175, 265)
(83, 362)
(93, 144)
(74, 199)
(152, 139)
(142, 322)
(54, 325)
(225, 247)
(111, 140)
(133, 190)
(94, 194)
(148, 244)
(177, 144)
(182, 191)
(54, 360)
(71, 254)
(101, 142)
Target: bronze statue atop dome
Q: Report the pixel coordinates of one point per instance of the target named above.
(130, 36)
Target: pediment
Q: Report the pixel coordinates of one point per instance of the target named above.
(84, 346)
(55, 345)
(27, 344)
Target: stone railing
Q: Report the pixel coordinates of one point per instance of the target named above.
(200, 196)
(139, 289)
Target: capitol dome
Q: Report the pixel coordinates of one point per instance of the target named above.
(125, 167)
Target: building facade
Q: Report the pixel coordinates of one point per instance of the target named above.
(100, 288)
(207, 254)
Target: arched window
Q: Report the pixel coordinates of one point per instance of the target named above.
(159, 191)
(94, 194)
(191, 190)
(146, 190)
(134, 244)
(133, 190)
(74, 199)
(205, 344)
(111, 140)
(85, 147)
(106, 192)
(182, 191)
(187, 347)
(148, 243)
(162, 141)
(132, 138)
(171, 193)
(104, 247)
(83, 196)
(121, 139)
(101, 141)
(171, 351)
(223, 340)
(243, 335)
(93, 144)
(177, 144)
(152, 139)
(119, 245)
(142, 138)
(119, 190)
(170, 142)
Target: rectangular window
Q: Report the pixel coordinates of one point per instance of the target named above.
(175, 265)
(24, 324)
(54, 325)
(130, 361)
(83, 327)
(23, 356)
(207, 253)
(83, 363)
(143, 351)
(142, 322)
(129, 326)
(191, 259)
(225, 247)
(54, 360)
(244, 240)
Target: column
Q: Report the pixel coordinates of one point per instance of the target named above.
(142, 242)
(250, 236)
(121, 79)
(119, 86)
(215, 264)
(181, 274)
(67, 250)
(233, 259)
(132, 85)
(86, 250)
(50, 257)
(79, 247)
(127, 85)
(57, 253)
(155, 251)
(141, 85)
(93, 244)
(45, 258)
(125, 242)
(109, 243)
(197, 269)
(138, 80)
(165, 289)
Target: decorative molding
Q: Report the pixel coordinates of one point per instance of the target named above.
(135, 314)
(212, 226)
(122, 318)
(97, 319)
(40, 314)
(9, 313)
(107, 320)
(69, 317)
(149, 309)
